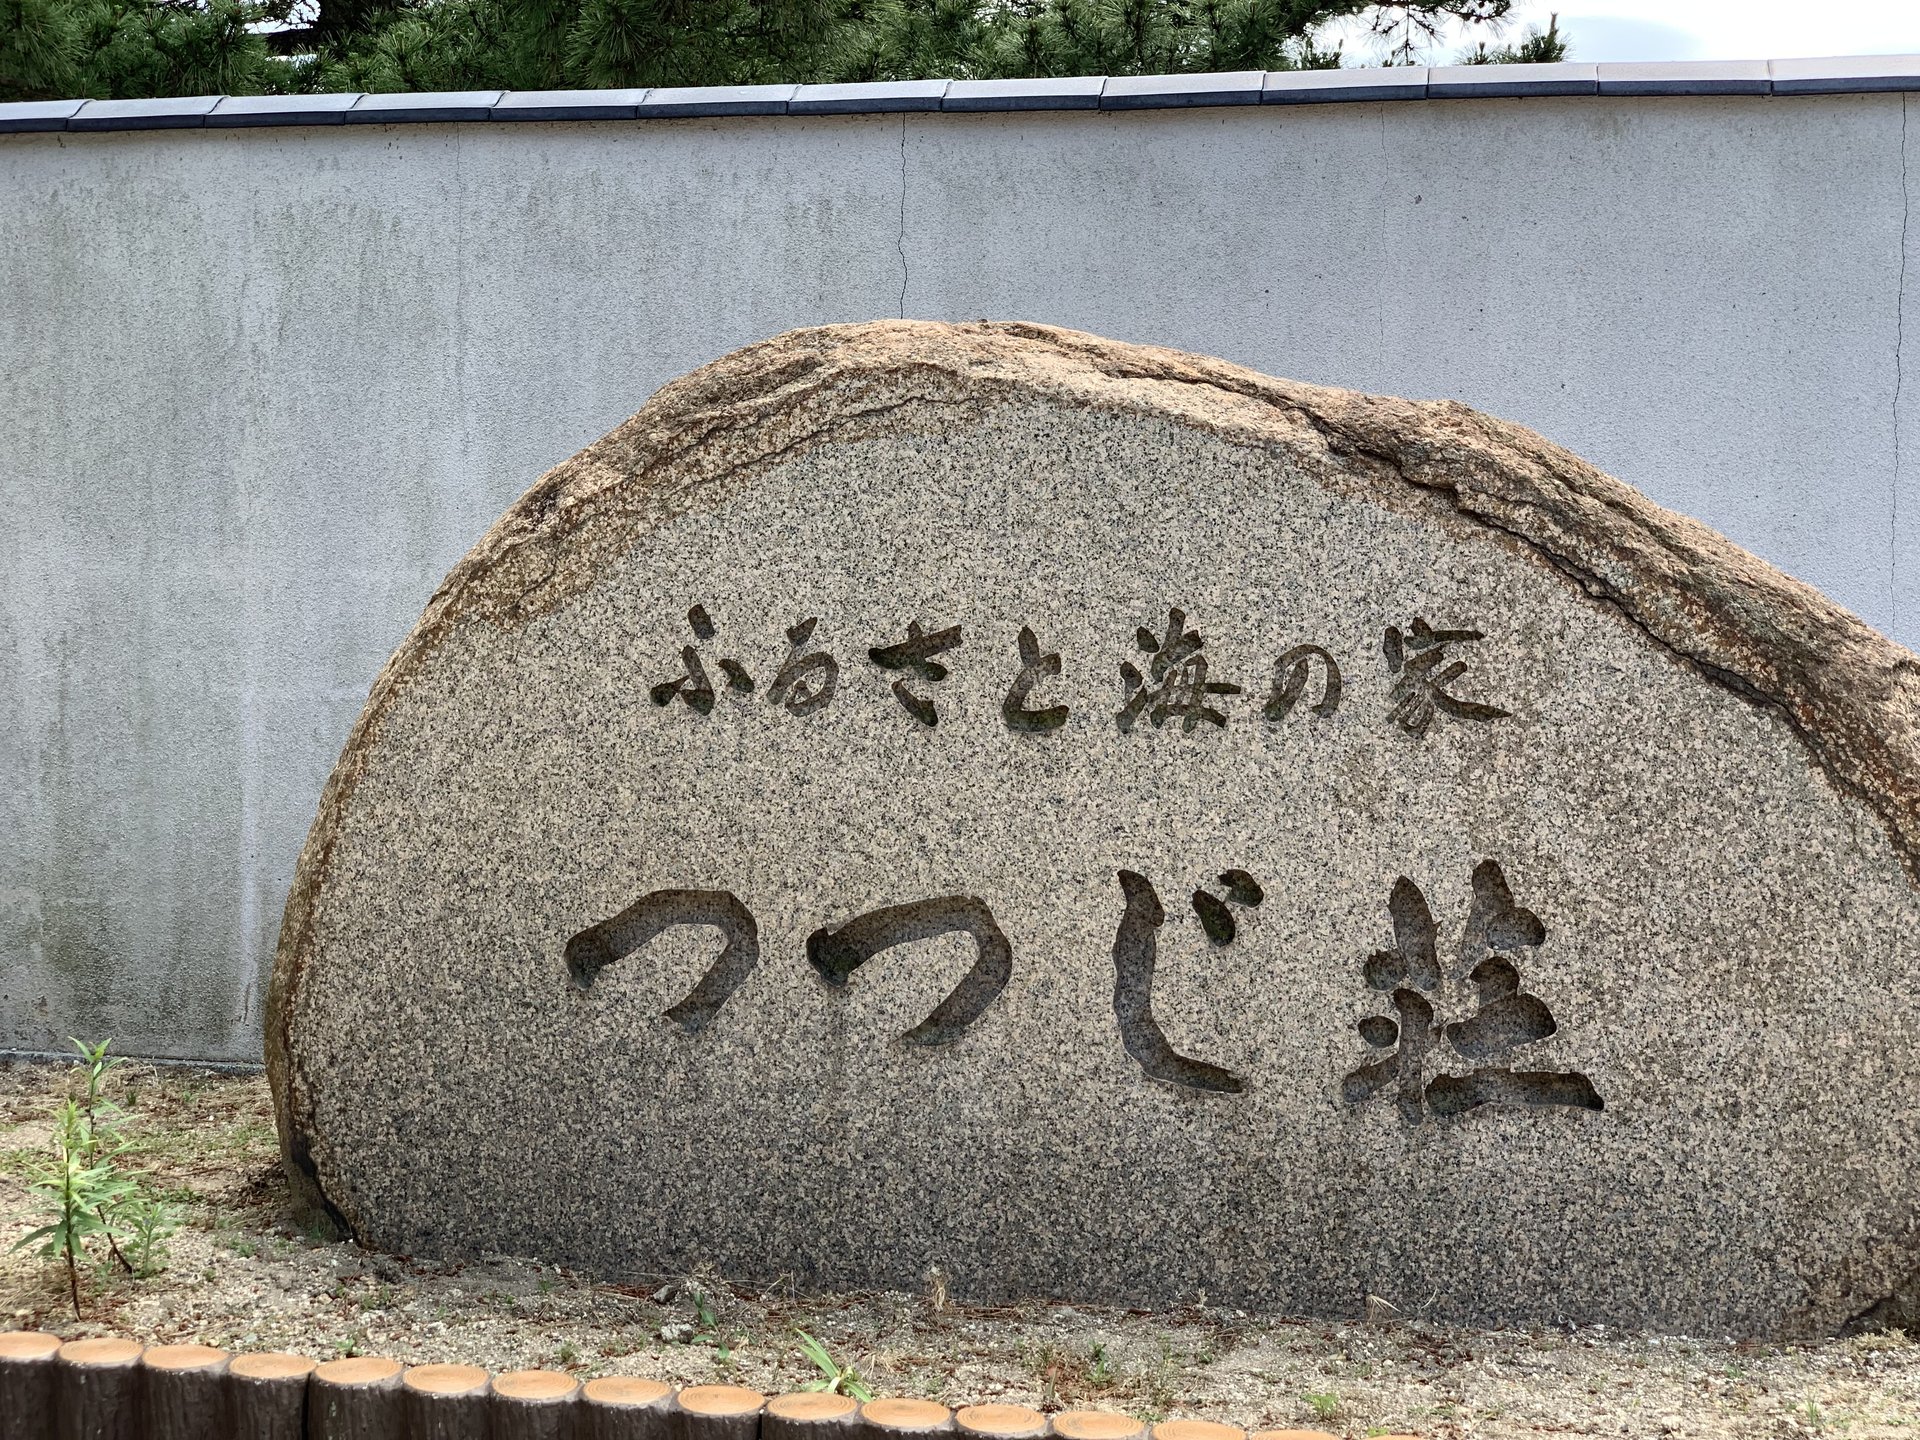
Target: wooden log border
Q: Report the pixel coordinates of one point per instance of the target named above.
(118, 1388)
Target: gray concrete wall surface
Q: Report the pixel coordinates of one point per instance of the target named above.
(262, 387)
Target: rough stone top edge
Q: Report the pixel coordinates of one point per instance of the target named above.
(1845, 75)
(1849, 694)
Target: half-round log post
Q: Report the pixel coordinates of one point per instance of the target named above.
(96, 1390)
(445, 1402)
(26, 1383)
(184, 1392)
(905, 1420)
(1000, 1422)
(356, 1399)
(267, 1395)
(716, 1412)
(810, 1415)
(534, 1405)
(1097, 1425)
(624, 1407)
(1299, 1435)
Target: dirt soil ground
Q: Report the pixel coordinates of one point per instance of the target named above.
(241, 1274)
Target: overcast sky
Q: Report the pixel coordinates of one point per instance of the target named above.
(1697, 29)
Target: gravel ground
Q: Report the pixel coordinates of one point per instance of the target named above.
(241, 1274)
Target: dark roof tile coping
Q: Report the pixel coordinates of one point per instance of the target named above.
(1846, 75)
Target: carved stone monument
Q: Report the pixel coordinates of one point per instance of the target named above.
(1119, 827)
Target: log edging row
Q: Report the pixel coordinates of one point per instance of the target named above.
(115, 1389)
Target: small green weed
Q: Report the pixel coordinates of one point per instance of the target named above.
(1324, 1404)
(84, 1191)
(835, 1378)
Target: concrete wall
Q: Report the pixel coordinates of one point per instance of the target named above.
(262, 387)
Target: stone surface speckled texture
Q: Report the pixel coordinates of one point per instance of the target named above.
(1669, 800)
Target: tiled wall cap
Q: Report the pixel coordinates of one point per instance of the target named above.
(1079, 92)
(1846, 75)
(248, 110)
(1097, 1425)
(676, 100)
(568, 104)
(881, 98)
(24, 115)
(1318, 87)
(1687, 77)
(1161, 92)
(178, 112)
(427, 106)
(1487, 82)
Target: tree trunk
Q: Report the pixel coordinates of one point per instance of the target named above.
(26, 1384)
(904, 1420)
(534, 1405)
(446, 1402)
(96, 1390)
(185, 1392)
(810, 1415)
(715, 1412)
(358, 1399)
(623, 1407)
(267, 1393)
(1097, 1425)
(1000, 1422)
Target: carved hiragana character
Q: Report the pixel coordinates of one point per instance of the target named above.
(599, 946)
(1415, 657)
(1290, 674)
(1215, 918)
(1135, 950)
(914, 654)
(1175, 684)
(836, 952)
(1033, 665)
(1503, 1018)
(693, 686)
(806, 682)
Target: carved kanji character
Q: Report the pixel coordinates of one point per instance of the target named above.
(836, 952)
(693, 686)
(1290, 674)
(914, 654)
(1176, 684)
(1416, 658)
(806, 682)
(1033, 666)
(1504, 1016)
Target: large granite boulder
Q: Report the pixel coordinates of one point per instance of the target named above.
(1115, 826)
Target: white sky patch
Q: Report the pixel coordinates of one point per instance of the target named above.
(1682, 30)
